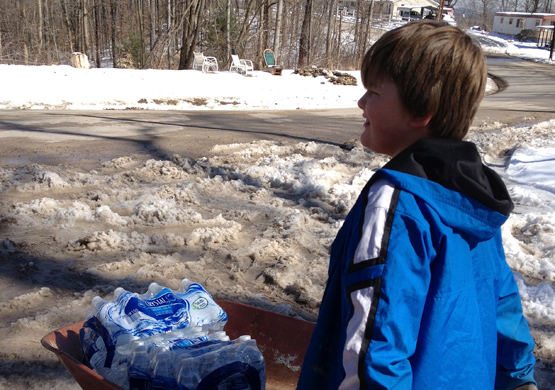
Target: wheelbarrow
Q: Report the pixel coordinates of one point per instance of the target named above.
(283, 341)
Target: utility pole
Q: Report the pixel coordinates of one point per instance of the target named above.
(552, 44)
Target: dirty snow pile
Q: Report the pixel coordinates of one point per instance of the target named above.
(250, 222)
(253, 222)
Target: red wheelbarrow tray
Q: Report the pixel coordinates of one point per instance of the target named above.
(283, 341)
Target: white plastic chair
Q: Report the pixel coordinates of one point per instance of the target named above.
(204, 63)
(198, 60)
(240, 66)
(210, 64)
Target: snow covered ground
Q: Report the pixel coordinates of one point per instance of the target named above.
(251, 222)
(502, 44)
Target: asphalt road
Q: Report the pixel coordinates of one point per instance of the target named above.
(84, 139)
(527, 92)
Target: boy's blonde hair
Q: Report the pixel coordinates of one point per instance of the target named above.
(438, 69)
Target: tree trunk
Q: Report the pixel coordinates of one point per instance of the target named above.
(358, 28)
(228, 29)
(152, 23)
(96, 16)
(69, 26)
(141, 21)
(50, 39)
(329, 35)
(485, 15)
(194, 9)
(277, 36)
(240, 42)
(339, 30)
(304, 41)
(368, 31)
(86, 35)
(40, 26)
(261, 35)
(114, 32)
(440, 10)
(266, 24)
(170, 34)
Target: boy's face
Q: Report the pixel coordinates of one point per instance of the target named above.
(389, 128)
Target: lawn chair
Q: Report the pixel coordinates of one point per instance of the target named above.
(205, 64)
(270, 60)
(241, 66)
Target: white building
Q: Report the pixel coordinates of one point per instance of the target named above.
(512, 23)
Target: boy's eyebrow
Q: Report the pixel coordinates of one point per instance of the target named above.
(374, 84)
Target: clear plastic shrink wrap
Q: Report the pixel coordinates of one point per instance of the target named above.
(167, 339)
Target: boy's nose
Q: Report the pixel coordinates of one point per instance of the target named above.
(361, 102)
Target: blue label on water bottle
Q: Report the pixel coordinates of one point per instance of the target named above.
(159, 307)
(183, 343)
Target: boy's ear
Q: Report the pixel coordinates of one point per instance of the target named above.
(420, 121)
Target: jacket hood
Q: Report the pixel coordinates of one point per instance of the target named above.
(455, 180)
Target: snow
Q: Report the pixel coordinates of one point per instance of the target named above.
(251, 222)
(503, 44)
(65, 87)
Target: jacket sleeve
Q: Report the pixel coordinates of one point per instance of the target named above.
(515, 361)
(388, 285)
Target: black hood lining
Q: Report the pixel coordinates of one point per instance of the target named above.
(455, 165)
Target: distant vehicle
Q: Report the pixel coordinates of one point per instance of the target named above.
(475, 28)
(408, 14)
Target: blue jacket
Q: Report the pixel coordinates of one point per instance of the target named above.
(419, 294)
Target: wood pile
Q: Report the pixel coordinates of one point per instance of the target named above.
(334, 77)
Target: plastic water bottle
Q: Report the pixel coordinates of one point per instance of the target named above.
(185, 283)
(255, 359)
(163, 377)
(153, 290)
(117, 373)
(223, 365)
(92, 344)
(187, 376)
(136, 328)
(139, 369)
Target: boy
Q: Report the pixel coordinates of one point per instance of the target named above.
(419, 294)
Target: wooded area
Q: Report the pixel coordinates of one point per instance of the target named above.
(164, 33)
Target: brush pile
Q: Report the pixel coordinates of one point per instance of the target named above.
(334, 77)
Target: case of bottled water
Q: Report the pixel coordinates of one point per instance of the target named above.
(167, 339)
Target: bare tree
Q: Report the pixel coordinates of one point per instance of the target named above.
(279, 21)
(368, 30)
(150, 33)
(531, 6)
(192, 16)
(304, 41)
(332, 16)
(228, 28)
(114, 32)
